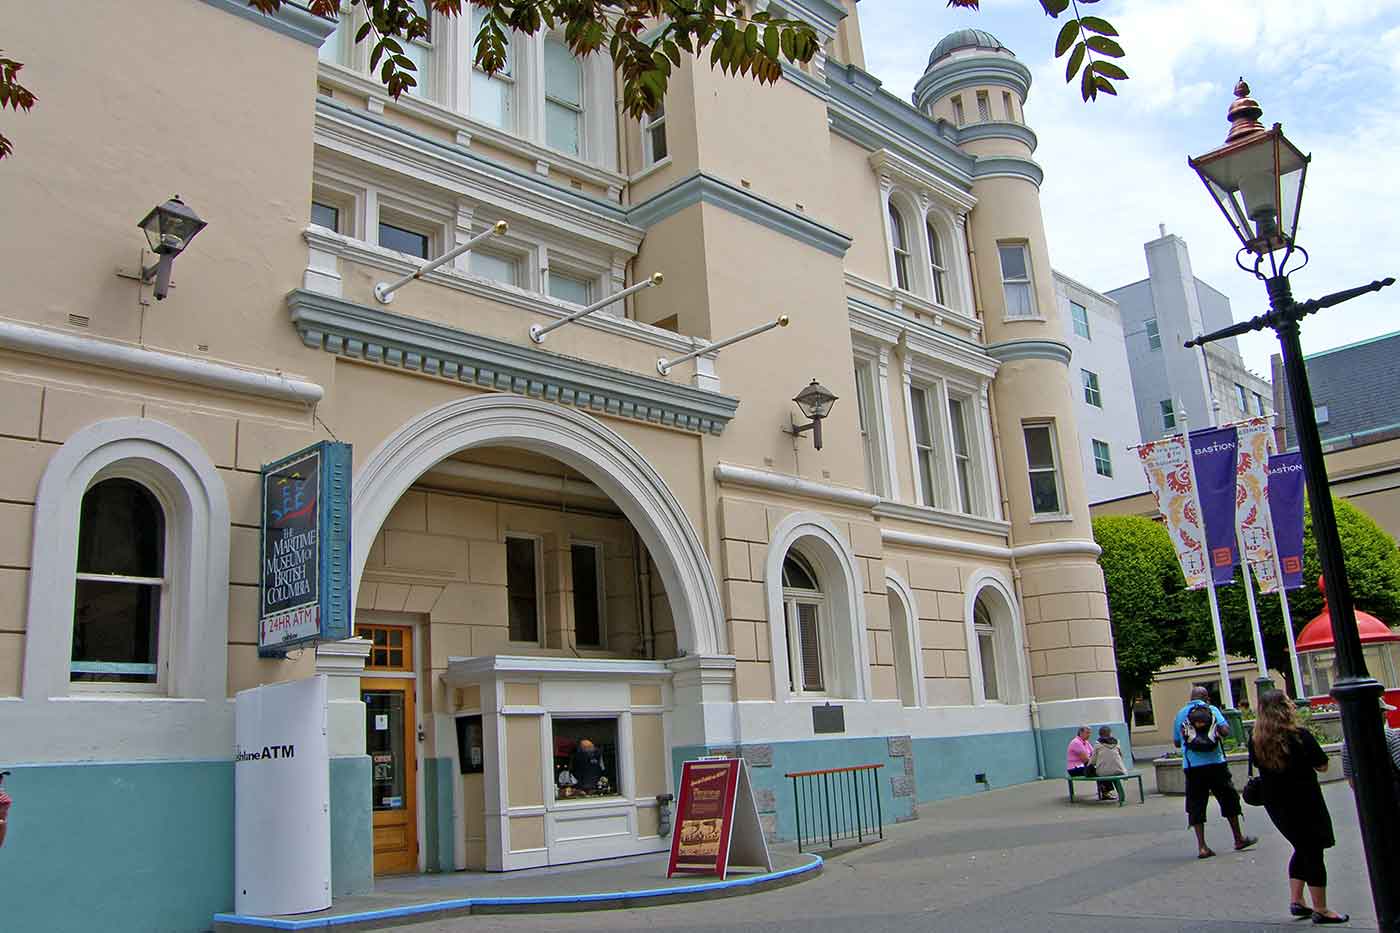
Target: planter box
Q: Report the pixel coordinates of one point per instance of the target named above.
(1171, 778)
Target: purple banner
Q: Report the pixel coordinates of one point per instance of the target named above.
(1286, 509)
(1213, 456)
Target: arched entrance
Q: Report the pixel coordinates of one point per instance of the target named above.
(582, 443)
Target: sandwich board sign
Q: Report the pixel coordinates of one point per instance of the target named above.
(305, 549)
(717, 823)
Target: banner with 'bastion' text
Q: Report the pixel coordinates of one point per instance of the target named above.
(1213, 454)
(1286, 509)
(1168, 473)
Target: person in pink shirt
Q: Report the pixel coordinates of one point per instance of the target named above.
(1079, 752)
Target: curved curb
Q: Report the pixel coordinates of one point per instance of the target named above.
(463, 906)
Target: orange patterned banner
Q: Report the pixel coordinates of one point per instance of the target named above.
(1169, 477)
(1252, 493)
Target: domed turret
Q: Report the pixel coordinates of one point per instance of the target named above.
(965, 39)
(971, 60)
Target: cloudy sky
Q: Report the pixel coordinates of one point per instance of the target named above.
(1115, 169)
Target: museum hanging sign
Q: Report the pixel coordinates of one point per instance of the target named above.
(717, 824)
(304, 582)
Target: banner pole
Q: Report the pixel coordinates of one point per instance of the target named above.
(1298, 690)
(1264, 682)
(1226, 693)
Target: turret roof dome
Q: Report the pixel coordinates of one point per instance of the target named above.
(965, 39)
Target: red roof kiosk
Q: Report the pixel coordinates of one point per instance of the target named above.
(1317, 656)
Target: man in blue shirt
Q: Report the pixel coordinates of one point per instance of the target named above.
(1201, 740)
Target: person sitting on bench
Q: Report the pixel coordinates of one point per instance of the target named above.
(1078, 754)
(1107, 760)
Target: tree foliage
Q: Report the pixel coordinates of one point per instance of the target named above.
(1156, 620)
(1082, 38)
(12, 94)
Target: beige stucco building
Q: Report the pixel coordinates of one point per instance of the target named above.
(550, 542)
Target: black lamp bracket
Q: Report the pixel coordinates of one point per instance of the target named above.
(1285, 309)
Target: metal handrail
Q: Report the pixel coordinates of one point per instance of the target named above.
(797, 774)
(837, 803)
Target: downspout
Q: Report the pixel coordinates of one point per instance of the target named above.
(1005, 504)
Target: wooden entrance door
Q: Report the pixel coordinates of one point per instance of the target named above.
(391, 740)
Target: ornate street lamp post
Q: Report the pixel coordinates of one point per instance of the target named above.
(1256, 179)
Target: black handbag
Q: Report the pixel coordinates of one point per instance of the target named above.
(1253, 791)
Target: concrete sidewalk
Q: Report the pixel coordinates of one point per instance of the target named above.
(1019, 859)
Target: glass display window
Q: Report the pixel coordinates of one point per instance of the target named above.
(585, 758)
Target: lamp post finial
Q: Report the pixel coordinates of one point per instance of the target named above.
(1244, 114)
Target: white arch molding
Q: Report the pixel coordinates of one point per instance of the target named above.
(825, 546)
(570, 437)
(913, 639)
(1008, 635)
(174, 467)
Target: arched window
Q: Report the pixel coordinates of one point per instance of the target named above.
(936, 265)
(120, 589)
(563, 98)
(986, 649)
(803, 608)
(899, 242)
(901, 623)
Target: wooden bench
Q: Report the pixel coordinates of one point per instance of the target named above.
(1115, 779)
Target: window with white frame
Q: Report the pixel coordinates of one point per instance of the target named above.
(120, 592)
(401, 235)
(563, 98)
(804, 606)
(336, 48)
(1258, 404)
(420, 52)
(868, 419)
(524, 587)
(925, 452)
(590, 625)
(654, 135)
(570, 287)
(1008, 107)
(1092, 395)
(962, 455)
(986, 634)
(1154, 338)
(325, 215)
(492, 95)
(1043, 464)
(1103, 458)
(1080, 315)
(899, 243)
(936, 264)
(1016, 280)
(498, 267)
(1168, 410)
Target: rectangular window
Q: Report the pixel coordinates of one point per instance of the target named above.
(654, 136)
(1103, 458)
(1168, 414)
(984, 107)
(1008, 107)
(393, 647)
(587, 565)
(986, 649)
(1044, 470)
(1080, 314)
(325, 215)
(925, 464)
(563, 98)
(400, 239)
(1154, 339)
(574, 289)
(958, 117)
(1144, 717)
(962, 455)
(1016, 280)
(419, 51)
(585, 757)
(1321, 415)
(493, 266)
(1242, 397)
(1258, 404)
(492, 95)
(1092, 395)
(805, 646)
(865, 413)
(523, 588)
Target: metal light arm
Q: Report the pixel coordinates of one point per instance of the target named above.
(664, 366)
(1296, 311)
(815, 426)
(384, 291)
(537, 332)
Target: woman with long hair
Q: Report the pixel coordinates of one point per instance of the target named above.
(1289, 759)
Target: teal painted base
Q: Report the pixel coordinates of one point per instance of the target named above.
(438, 775)
(139, 847)
(352, 829)
(948, 766)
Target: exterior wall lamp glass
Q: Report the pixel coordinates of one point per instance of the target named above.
(1256, 178)
(169, 228)
(815, 401)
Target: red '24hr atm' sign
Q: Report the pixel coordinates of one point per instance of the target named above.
(705, 817)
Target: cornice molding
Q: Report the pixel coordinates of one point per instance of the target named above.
(1057, 549)
(892, 329)
(973, 71)
(731, 474)
(931, 543)
(900, 299)
(1054, 350)
(1003, 166)
(378, 336)
(814, 86)
(702, 188)
(291, 19)
(998, 129)
(885, 162)
(159, 364)
(939, 518)
(825, 15)
(462, 671)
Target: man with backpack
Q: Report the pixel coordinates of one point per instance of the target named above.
(1199, 731)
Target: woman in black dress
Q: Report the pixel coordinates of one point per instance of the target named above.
(1288, 759)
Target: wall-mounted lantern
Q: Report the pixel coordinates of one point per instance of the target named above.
(815, 401)
(169, 228)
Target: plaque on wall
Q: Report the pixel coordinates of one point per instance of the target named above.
(828, 719)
